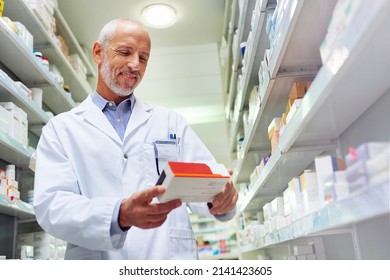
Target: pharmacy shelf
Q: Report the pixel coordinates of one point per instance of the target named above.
(16, 208)
(298, 36)
(22, 63)
(246, 165)
(328, 108)
(245, 8)
(369, 203)
(276, 174)
(9, 92)
(255, 51)
(74, 46)
(14, 152)
(18, 10)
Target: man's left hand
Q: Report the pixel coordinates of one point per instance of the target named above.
(226, 200)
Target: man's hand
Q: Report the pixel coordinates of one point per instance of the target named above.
(138, 210)
(225, 200)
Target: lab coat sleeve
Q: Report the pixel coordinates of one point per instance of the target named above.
(60, 208)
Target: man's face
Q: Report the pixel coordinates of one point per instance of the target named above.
(125, 60)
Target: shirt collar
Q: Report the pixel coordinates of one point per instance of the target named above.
(101, 102)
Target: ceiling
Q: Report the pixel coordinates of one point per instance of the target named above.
(183, 72)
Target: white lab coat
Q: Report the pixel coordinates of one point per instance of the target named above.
(83, 168)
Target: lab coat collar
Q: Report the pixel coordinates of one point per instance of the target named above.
(139, 115)
(95, 116)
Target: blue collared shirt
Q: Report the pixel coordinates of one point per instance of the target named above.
(119, 117)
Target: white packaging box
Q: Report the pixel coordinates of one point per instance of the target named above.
(303, 249)
(277, 207)
(4, 120)
(286, 200)
(294, 107)
(296, 198)
(274, 126)
(267, 211)
(3, 190)
(311, 200)
(23, 127)
(366, 151)
(13, 119)
(325, 166)
(192, 182)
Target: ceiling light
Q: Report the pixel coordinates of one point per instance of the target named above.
(159, 15)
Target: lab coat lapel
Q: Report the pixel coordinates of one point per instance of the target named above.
(95, 116)
(139, 115)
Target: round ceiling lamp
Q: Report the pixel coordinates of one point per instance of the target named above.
(159, 15)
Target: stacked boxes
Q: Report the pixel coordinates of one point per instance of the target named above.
(17, 122)
(273, 132)
(368, 165)
(325, 166)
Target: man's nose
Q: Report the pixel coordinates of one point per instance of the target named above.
(133, 62)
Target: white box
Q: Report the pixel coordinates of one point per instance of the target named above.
(13, 119)
(311, 200)
(4, 120)
(303, 250)
(192, 182)
(277, 206)
(325, 166)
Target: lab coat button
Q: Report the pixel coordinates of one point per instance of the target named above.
(125, 156)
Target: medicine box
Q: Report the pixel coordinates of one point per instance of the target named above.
(192, 182)
(325, 166)
(311, 200)
(274, 126)
(303, 249)
(293, 109)
(366, 151)
(277, 207)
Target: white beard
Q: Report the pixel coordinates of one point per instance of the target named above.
(108, 77)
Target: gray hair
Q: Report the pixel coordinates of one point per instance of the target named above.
(109, 28)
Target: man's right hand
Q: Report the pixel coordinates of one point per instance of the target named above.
(139, 211)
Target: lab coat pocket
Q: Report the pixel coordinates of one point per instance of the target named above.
(182, 244)
(166, 150)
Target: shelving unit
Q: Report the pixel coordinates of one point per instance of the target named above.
(43, 41)
(344, 102)
(18, 63)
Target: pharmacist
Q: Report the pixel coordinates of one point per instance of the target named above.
(96, 164)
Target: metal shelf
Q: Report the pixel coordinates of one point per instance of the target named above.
(64, 29)
(18, 10)
(369, 203)
(276, 174)
(9, 92)
(299, 35)
(14, 152)
(16, 208)
(323, 113)
(21, 62)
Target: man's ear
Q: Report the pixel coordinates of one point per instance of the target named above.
(98, 52)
